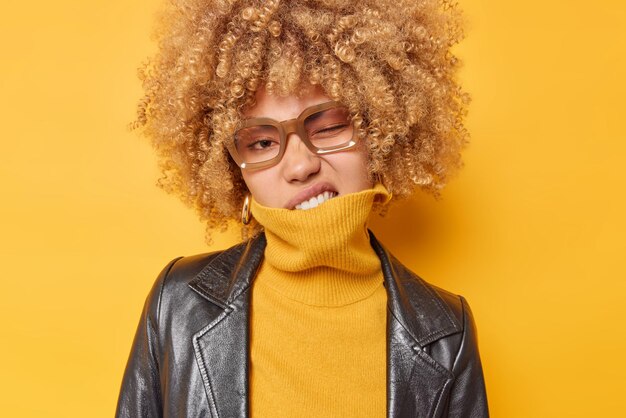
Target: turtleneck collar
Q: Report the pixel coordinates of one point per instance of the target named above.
(321, 256)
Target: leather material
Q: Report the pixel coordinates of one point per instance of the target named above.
(190, 353)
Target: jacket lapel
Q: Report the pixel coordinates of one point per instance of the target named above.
(416, 316)
(221, 347)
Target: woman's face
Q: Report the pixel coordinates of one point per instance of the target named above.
(301, 175)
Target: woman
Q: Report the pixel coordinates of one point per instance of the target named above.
(300, 119)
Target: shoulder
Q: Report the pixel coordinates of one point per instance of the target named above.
(456, 344)
(171, 286)
(444, 326)
(182, 270)
(170, 282)
(214, 276)
(426, 305)
(455, 303)
(428, 301)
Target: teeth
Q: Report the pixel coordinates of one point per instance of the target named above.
(316, 201)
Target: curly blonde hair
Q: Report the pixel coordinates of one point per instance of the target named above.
(388, 61)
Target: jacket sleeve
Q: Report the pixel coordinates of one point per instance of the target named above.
(468, 396)
(140, 393)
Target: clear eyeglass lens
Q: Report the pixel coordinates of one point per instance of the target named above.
(329, 128)
(326, 129)
(256, 144)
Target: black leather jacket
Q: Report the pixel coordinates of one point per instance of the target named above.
(190, 354)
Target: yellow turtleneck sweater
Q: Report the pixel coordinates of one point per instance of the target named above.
(318, 315)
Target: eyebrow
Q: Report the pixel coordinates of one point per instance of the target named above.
(261, 127)
(281, 121)
(267, 117)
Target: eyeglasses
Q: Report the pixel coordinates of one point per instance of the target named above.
(261, 142)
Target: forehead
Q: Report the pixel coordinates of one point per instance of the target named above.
(281, 108)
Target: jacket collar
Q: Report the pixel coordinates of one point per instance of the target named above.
(417, 316)
(231, 272)
(414, 304)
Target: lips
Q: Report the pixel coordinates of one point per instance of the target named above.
(309, 193)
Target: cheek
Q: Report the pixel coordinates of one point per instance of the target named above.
(359, 161)
(257, 182)
(352, 168)
(251, 179)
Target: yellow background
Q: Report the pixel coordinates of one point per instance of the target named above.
(531, 232)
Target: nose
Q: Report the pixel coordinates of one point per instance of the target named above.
(298, 162)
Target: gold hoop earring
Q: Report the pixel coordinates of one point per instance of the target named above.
(245, 210)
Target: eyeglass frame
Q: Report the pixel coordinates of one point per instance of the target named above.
(285, 128)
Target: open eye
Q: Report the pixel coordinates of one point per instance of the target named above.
(257, 139)
(262, 144)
